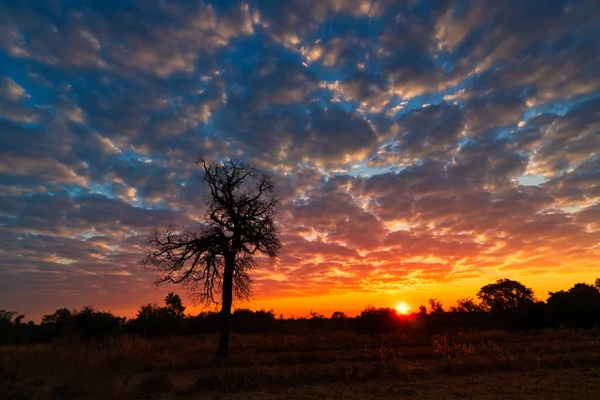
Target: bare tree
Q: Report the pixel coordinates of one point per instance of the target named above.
(214, 259)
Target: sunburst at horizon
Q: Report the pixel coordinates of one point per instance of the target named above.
(402, 308)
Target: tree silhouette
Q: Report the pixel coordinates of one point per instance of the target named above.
(61, 315)
(338, 315)
(174, 305)
(7, 324)
(466, 305)
(505, 294)
(577, 307)
(83, 324)
(148, 311)
(215, 258)
(580, 297)
(153, 320)
(377, 320)
(436, 306)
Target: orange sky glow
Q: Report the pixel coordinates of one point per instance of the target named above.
(353, 303)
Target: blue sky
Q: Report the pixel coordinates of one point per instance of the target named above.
(416, 145)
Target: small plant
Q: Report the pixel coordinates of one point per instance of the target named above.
(387, 352)
(441, 345)
(491, 348)
(447, 349)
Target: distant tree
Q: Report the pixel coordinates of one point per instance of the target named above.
(577, 307)
(84, 324)
(436, 306)
(248, 321)
(205, 322)
(581, 295)
(316, 319)
(215, 258)
(61, 315)
(505, 294)
(339, 315)
(7, 315)
(422, 310)
(377, 320)
(466, 305)
(597, 284)
(148, 311)
(58, 323)
(6, 326)
(153, 320)
(339, 320)
(89, 323)
(315, 316)
(174, 305)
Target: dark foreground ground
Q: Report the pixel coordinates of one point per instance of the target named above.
(476, 365)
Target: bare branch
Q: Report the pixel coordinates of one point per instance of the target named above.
(239, 225)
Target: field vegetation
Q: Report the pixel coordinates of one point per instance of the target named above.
(468, 363)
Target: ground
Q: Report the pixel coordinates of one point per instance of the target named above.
(579, 383)
(476, 365)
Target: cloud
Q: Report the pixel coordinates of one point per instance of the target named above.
(431, 130)
(412, 143)
(158, 39)
(12, 102)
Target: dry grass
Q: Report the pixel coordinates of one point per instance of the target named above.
(296, 366)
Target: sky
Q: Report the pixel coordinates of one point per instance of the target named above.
(421, 149)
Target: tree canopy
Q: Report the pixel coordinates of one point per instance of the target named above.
(505, 294)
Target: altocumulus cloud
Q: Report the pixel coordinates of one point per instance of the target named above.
(413, 142)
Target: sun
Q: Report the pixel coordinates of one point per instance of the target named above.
(402, 308)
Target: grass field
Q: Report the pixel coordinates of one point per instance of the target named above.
(560, 364)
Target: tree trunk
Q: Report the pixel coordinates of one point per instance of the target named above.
(223, 348)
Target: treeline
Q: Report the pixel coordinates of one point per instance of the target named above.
(504, 304)
(151, 320)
